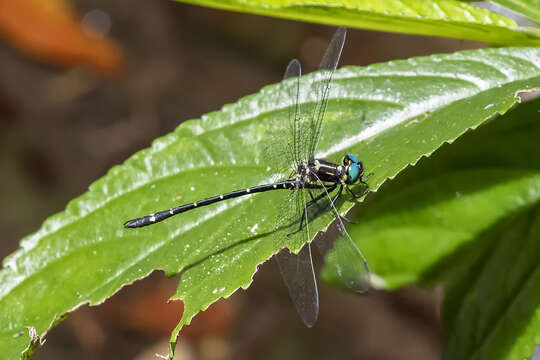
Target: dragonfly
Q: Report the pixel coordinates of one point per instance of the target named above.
(315, 186)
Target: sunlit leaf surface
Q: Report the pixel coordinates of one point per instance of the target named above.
(389, 114)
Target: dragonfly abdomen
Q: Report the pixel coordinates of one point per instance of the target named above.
(162, 215)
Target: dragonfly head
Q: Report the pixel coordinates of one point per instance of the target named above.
(353, 168)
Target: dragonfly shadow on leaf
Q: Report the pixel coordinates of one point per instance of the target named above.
(244, 241)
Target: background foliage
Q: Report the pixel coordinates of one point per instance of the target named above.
(450, 18)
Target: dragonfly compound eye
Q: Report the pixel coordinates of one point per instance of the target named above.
(353, 172)
(351, 158)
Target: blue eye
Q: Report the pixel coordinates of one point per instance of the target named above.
(353, 158)
(353, 173)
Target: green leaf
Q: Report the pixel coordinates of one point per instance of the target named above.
(527, 8)
(449, 18)
(468, 217)
(390, 114)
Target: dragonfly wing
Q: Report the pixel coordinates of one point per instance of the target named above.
(298, 210)
(281, 147)
(297, 270)
(299, 276)
(348, 261)
(329, 62)
(350, 264)
(333, 51)
(294, 70)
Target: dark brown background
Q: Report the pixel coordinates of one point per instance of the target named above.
(62, 129)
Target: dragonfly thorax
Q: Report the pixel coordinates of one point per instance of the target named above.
(318, 171)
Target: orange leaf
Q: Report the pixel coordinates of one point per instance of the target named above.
(50, 30)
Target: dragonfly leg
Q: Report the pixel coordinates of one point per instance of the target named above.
(313, 201)
(334, 199)
(302, 218)
(344, 218)
(355, 195)
(296, 231)
(320, 196)
(364, 178)
(301, 221)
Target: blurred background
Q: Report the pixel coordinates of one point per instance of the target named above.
(86, 83)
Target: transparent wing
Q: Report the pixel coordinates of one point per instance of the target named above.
(299, 276)
(305, 118)
(295, 214)
(294, 70)
(283, 143)
(322, 90)
(297, 270)
(350, 264)
(347, 260)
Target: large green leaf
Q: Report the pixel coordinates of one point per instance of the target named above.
(404, 118)
(391, 114)
(468, 216)
(449, 18)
